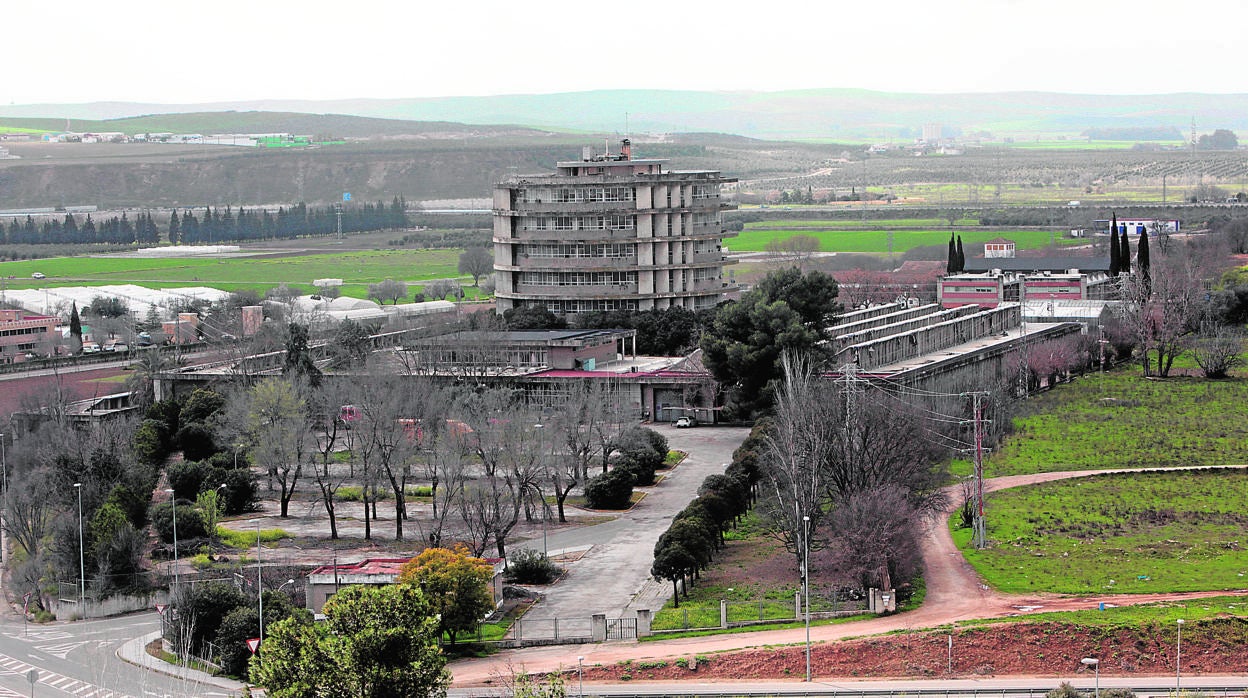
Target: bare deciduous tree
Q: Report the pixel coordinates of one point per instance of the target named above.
(1218, 350)
(1162, 311)
(794, 251)
(873, 536)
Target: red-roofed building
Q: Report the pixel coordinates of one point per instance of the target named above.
(326, 580)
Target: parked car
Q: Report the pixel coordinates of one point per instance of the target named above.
(90, 348)
(686, 422)
(38, 275)
(117, 346)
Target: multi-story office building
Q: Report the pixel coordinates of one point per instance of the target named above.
(609, 232)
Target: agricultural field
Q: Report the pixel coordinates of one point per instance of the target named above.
(1117, 533)
(1121, 420)
(845, 224)
(831, 239)
(246, 271)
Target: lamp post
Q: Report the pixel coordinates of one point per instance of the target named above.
(1096, 666)
(285, 584)
(1178, 659)
(580, 678)
(4, 471)
(806, 586)
(545, 508)
(82, 559)
(173, 498)
(259, 591)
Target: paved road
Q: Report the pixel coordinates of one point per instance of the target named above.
(80, 660)
(608, 577)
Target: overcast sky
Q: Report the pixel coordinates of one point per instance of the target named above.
(226, 50)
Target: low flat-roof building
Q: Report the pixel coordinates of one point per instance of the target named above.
(23, 333)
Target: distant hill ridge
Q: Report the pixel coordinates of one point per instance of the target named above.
(818, 113)
(332, 125)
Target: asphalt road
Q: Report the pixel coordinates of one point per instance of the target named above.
(80, 660)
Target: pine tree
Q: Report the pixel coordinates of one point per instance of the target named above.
(1142, 261)
(1123, 249)
(961, 256)
(75, 323)
(952, 262)
(1124, 255)
(175, 228)
(1114, 253)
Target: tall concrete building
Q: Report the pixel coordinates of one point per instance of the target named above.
(609, 232)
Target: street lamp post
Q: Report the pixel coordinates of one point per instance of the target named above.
(806, 586)
(1178, 659)
(1096, 666)
(173, 498)
(4, 472)
(82, 559)
(259, 592)
(580, 678)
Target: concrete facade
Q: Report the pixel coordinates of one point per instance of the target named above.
(609, 232)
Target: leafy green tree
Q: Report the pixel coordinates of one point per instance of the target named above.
(191, 524)
(673, 562)
(610, 490)
(476, 262)
(201, 609)
(455, 583)
(787, 310)
(201, 406)
(377, 642)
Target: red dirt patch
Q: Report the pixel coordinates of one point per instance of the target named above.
(1209, 647)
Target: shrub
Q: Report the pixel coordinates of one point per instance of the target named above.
(195, 440)
(241, 493)
(531, 567)
(190, 521)
(610, 490)
(187, 478)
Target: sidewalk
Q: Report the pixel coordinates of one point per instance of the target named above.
(135, 652)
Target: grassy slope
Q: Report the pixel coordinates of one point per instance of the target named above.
(1142, 533)
(1181, 421)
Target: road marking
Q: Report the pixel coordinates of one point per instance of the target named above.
(59, 681)
(59, 651)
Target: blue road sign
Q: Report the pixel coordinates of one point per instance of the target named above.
(346, 196)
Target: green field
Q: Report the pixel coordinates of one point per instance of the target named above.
(1124, 533)
(848, 224)
(357, 269)
(1121, 420)
(754, 239)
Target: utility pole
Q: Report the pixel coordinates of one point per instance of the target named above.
(980, 525)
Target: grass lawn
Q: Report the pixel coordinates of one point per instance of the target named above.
(1161, 614)
(1121, 420)
(1118, 533)
(357, 269)
(754, 239)
(850, 224)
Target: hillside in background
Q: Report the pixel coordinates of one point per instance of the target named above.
(847, 114)
(326, 125)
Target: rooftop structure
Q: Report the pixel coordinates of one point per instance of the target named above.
(609, 232)
(23, 333)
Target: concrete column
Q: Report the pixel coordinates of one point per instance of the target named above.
(644, 617)
(723, 613)
(598, 627)
(797, 605)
